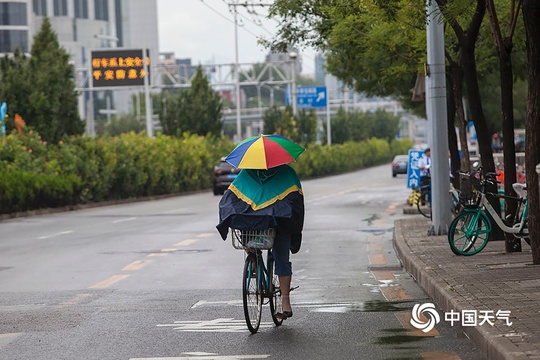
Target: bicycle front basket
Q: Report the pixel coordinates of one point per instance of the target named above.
(471, 200)
(253, 239)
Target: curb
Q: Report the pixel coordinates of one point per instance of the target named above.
(492, 344)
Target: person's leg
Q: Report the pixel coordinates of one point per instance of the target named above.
(281, 254)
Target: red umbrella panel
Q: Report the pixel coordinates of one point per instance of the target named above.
(264, 152)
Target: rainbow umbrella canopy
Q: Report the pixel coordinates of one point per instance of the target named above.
(264, 152)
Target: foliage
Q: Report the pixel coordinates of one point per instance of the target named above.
(78, 170)
(196, 110)
(124, 124)
(51, 106)
(360, 126)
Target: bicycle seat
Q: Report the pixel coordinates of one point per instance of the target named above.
(520, 189)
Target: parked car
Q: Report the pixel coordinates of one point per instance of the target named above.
(224, 174)
(399, 164)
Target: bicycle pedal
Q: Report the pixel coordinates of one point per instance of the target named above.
(296, 287)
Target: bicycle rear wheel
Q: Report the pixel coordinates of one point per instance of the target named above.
(252, 293)
(469, 233)
(424, 205)
(275, 294)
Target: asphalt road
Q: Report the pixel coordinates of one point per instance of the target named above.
(153, 280)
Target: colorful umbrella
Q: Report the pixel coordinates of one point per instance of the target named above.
(264, 152)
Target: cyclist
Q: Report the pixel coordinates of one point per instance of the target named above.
(259, 199)
(424, 164)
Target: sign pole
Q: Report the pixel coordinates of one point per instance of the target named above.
(328, 126)
(147, 100)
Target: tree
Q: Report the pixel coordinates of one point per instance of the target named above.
(51, 106)
(531, 14)
(15, 85)
(306, 126)
(196, 110)
(504, 45)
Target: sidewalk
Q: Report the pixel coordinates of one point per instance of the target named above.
(491, 280)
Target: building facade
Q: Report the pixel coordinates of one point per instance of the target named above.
(83, 26)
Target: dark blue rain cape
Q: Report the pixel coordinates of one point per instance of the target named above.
(260, 199)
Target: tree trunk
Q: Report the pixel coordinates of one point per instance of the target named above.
(504, 52)
(531, 14)
(457, 83)
(452, 137)
(468, 63)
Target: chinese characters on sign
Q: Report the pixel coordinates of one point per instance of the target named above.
(119, 67)
(431, 317)
(413, 172)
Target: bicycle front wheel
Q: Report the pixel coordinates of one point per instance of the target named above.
(469, 233)
(275, 295)
(251, 293)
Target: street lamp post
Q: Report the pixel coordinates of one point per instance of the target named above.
(293, 55)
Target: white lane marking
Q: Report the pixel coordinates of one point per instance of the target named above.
(123, 220)
(207, 357)
(57, 234)
(217, 325)
(173, 211)
(186, 242)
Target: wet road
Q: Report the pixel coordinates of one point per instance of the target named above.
(153, 280)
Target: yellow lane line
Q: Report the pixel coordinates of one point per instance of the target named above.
(106, 283)
(136, 265)
(5, 339)
(75, 299)
(377, 259)
(442, 355)
(186, 242)
(156, 254)
(167, 250)
(374, 247)
(383, 275)
(205, 235)
(394, 293)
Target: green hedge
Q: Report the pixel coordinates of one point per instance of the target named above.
(79, 170)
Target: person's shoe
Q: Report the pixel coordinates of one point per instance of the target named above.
(284, 315)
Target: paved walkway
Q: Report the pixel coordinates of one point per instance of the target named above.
(489, 281)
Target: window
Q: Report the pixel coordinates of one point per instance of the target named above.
(11, 39)
(40, 7)
(102, 10)
(12, 13)
(60, 8)
(81, 9)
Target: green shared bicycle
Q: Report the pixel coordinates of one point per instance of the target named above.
(469, 232)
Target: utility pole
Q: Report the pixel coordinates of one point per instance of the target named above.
(437, 119)
(234, 5)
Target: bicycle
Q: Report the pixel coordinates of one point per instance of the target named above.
(424, 200)
(259, 281)
(469, 232)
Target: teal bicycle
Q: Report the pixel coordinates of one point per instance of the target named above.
(469, 232)
(260, 284)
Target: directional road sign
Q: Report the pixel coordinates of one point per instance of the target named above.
(312, 96)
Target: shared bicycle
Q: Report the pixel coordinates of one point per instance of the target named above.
(260, 285)
(469, 232)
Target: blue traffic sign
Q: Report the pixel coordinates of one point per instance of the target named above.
(413, 172)
(312, 96)
(309, 97)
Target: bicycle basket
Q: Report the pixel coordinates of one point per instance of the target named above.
(253, 239)
(471, 200)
